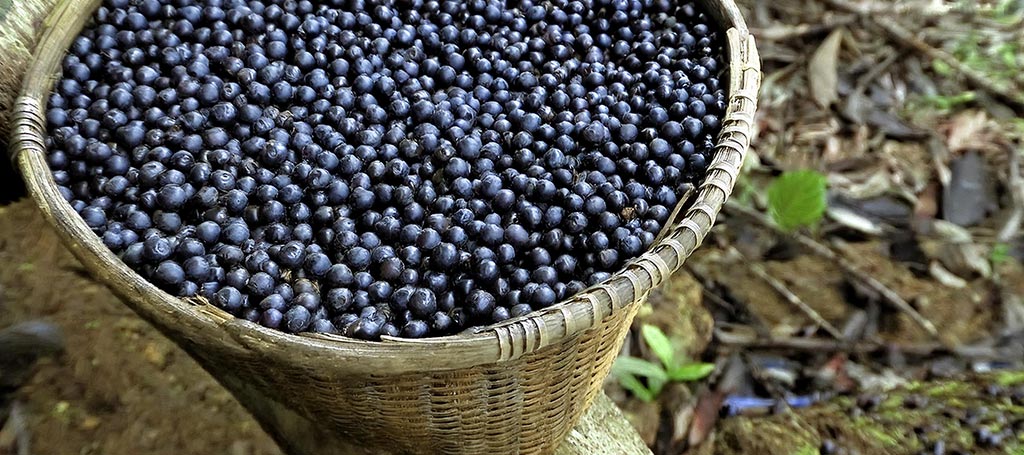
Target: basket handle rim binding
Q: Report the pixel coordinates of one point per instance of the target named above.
(197, 326)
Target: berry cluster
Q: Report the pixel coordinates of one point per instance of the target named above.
(379, 167)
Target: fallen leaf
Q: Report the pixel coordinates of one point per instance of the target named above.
(967, 131)
(853, 220)
(964, 259)
(855, 106)
(878, 183)
(966, 200)
(861, 110)
(869, 379)
(927, 206)
(1013, 312)
(681, 420)
(893, 126)
(951, 233)
(823, 71)
(705, 416)
(945, 277)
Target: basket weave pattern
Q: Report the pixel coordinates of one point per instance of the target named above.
(516, 387)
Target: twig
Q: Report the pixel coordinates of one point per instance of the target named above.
(971, 352)
(790, 297)
(1016, 187)
(739, 310)
(822, 345)
(864, 81)
(718, 300)
(1011, 95)
(849, 268)
(787, 32)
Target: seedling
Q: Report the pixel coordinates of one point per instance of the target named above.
(671, 367)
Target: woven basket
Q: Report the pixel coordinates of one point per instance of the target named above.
(516, 387)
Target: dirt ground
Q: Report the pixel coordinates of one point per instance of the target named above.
(121, 388)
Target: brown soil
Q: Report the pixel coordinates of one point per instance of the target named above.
(121, 387)
(963, 315)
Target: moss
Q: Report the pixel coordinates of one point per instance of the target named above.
(892, 402)
(945, 389)
(877, 430)
(1010, 378)
(892, 428)
(807, 450)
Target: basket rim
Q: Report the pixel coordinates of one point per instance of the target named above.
(203, 326)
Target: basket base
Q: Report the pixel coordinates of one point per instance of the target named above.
(602, 429)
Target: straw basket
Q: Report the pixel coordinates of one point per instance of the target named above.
(516, 387)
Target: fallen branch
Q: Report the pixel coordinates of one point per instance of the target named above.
(1011, 95)
(887, 294)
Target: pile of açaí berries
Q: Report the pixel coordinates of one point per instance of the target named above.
(406, 168)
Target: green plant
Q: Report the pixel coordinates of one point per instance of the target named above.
(942, 68)
(1000, 253)
(1008, 11)
(672, 367)
(948, 102)
(797, 199)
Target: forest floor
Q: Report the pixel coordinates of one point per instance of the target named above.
(911, 287)
(914, 113)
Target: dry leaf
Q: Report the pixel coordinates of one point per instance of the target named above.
(927, 206)
(823, 71)
(968, 197)
(945, 277)
(853, 220)
(968, 131)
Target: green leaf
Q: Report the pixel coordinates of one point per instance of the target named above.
(659, 343)
(691, 372)
(626, 369)
(797, 199)
(637, 388)
(946, 103)
(1008, 54)
(656, 385)
(941, 68)
(1000, 253)
(639, 367)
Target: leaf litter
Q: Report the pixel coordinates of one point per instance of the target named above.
(892, 102)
